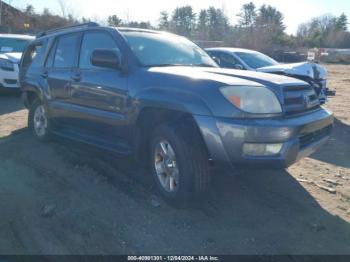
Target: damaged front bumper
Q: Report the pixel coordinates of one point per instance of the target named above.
(312, 73)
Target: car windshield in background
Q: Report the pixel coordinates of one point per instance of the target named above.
(153, 49)
(256, 60)
(12, 45)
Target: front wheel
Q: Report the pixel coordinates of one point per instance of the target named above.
(179, 162)
(38, 120)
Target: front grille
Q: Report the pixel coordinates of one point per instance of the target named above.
(299, 99)
(315, 136)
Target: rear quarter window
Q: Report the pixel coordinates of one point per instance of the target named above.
(34, 54)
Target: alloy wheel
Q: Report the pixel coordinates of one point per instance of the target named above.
(166, 166)
(40, 121)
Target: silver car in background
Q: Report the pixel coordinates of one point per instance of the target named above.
(245, 59)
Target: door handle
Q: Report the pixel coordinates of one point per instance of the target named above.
(44, 74)
(76, 77)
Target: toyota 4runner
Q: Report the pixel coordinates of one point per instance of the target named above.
(161, 98)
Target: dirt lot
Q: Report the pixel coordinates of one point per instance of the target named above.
(66, 198)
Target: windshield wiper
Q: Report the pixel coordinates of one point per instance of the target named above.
(163, 65)
(192, 65)
(203, 65)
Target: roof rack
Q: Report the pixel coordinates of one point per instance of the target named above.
(89, 24)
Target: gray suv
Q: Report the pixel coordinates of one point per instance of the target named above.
(163, 100)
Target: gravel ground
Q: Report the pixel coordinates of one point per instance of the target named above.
(66, 198)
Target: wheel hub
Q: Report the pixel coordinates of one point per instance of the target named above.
(166, 167)
(40, 121)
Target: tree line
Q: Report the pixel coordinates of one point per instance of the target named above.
(260, 28)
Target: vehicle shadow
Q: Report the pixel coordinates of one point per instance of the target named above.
(10, 102)
(339, 146)
(245, 212)
(271, 212)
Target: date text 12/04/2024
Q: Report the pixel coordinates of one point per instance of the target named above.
(173, 258)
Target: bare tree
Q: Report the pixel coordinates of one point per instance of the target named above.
(63, 7)
(66, 10)
(127, 16)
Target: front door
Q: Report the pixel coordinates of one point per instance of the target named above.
(99, 94)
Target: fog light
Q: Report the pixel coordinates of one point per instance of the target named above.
(250, 149)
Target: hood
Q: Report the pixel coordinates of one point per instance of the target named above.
(257, 77)
(227, 76)
(308, 69)
(13, 57)
(205, 79)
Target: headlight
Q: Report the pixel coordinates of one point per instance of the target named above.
(6, 65)
(252, 99)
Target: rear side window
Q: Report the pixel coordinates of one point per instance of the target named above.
(92, 41)
(66, 51)
(34, 54)
(51, 56)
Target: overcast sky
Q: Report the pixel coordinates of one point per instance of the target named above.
(295, 11)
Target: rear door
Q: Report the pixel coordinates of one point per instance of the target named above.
(58, 71)
(98, 94)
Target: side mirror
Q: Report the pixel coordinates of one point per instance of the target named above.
(217, 60)
(106, 58)
(238, 66)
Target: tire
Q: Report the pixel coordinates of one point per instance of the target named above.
(192, 177)
(38, 114)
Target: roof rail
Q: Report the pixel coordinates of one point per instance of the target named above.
(89, 24)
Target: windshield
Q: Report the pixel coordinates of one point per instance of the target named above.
(256, 60)
(154, 49)
(12, 45)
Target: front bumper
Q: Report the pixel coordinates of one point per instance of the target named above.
(300, 136)
(9, 87)
(9, 79)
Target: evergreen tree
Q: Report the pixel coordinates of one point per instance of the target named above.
(164, 21)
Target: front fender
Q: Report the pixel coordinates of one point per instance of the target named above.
(171, 99)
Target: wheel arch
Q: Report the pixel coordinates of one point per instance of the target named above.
(30, 94)
(150, 117)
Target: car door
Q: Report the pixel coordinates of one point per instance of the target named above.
(99, 94)
(58, 74)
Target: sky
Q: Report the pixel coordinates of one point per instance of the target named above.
(295, 11)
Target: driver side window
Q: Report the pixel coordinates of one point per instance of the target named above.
(229, 61)
(92, 41)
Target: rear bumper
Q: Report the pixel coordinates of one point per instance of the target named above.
(300, 136)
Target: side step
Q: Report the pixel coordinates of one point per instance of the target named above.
(118, 148)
